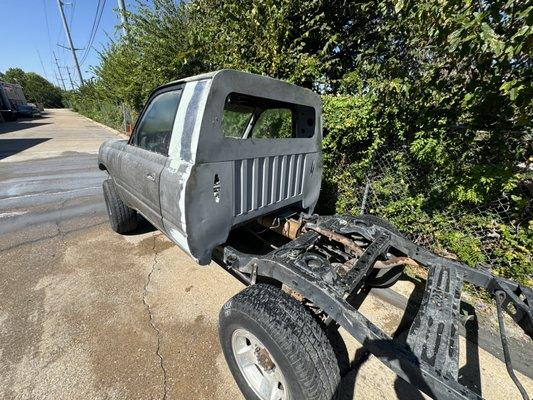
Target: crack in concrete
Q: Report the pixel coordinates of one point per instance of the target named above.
(151, 320)
(60, 232)
(51, 236)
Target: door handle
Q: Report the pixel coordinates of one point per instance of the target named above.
(150, 177)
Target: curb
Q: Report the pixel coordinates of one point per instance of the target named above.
(116, 132)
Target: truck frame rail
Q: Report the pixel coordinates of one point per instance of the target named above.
(330, 260)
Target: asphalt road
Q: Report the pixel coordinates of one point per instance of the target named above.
(89, 314)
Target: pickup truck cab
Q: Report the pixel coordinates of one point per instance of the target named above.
(216, 150)
(228, 166)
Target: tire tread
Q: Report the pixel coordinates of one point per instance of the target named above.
(122, 218)
(299, 336)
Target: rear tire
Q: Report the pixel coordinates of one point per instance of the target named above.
(281, 343)
(122, 218)
(385, 277)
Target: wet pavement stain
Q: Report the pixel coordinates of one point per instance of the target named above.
(147, 245)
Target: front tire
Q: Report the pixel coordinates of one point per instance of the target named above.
(274, 347)
(122, 218)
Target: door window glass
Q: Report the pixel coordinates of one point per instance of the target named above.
(155, 129)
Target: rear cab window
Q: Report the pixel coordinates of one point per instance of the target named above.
(248, 117)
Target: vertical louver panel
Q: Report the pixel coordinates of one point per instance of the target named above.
(263, 181)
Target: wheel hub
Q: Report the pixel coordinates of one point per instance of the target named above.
(258, 366)
(263, 359)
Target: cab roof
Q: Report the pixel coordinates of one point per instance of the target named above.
(231, 74)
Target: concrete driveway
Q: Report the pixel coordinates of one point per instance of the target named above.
(89, 314)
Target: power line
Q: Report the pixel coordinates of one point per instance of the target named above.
(70, 78)
(94, 30)
(48, 37)
(47, 26)
(98, 6)
(72, 10)
(62, 40)
(42, 64)
(57, 79)
(96, 23)
(88, 46)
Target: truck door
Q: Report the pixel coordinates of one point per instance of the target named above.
(147, 154)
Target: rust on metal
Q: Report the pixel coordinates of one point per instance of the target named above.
(331, 235)
(263, 359)
(289, 228)
(358, 251)
(396, 261)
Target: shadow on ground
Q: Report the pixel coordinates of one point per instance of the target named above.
(8, 147)
(469, 374)
(143, 226)
(9, 127)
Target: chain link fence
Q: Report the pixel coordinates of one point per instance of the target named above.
(496, 235)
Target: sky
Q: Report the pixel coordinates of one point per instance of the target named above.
(31, 30)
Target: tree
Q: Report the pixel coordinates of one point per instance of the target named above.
(15, 75)
(36, 88)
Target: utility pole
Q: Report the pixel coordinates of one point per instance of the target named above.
(59, 70)
(70, 78)
(55, 75)
(67, 32)
(123, 17)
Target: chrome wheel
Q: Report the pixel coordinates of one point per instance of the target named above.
(258, 366)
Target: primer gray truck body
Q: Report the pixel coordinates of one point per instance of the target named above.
(209, 183)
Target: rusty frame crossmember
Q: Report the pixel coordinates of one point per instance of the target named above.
(311, 275)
